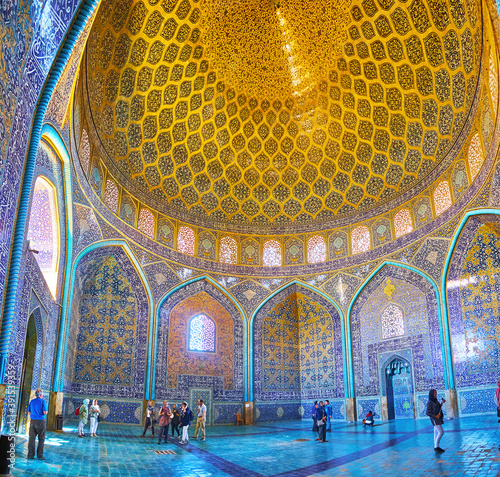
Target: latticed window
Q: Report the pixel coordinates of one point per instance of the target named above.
(442, 197)
(185, 240)
(493, 82)
(403, 223)
(201, 334)
(316, 249)
(360, 239)
(228, 251)
(84, 152)
(475, 156)
(271, 254)
(43, 231)
(111, 195)
(146, 223)
(392, 321)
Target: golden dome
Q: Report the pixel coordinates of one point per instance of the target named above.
(276, 112)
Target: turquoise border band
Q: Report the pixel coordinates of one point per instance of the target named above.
(80, 20)
(326, 297)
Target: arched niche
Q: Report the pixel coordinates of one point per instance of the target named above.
(297, 348)
(421, 342)
(472, 291)
(108, 332)
(179, 371)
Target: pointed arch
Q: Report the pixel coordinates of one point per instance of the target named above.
(316, 249)
(403, 223)
(443, 334)
(271, 253)
(177, 295)
(318, 292)
(64, 327)
(442, 197)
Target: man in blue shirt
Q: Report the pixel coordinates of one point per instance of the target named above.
(37, 410)
(329, 413)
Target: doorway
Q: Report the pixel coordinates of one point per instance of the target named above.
(26, 381)
(399, 387)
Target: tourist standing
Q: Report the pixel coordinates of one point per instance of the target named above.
(165, 418)
(435, 413)
(94, 414)
(329, 414)
(186, 418)
(176, 420)
(201, 420)
(320, 417)
(150, 419)
(83, 414)
(315, 426)
(37, 410)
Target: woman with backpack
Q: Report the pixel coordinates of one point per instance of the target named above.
(94, 414)
(150, 419)
(83, 414)
(186, 418)
(176, 420)
(435, 413)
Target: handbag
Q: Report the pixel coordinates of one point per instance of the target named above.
(320, 422)
(99, 418)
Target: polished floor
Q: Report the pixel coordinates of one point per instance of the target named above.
(396, 448)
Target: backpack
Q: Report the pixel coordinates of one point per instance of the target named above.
(77, 412)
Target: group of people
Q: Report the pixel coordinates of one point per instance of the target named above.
(175, 416)
(322, 419)
(85, 413)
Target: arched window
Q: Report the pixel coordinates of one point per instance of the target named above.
(403, 223)
(271, 254)
(201, 334)
(475, 156)
(146, 222)
(316, 249)
(228, 251)
(84, 152)
(392, 322)
(360, 239)
(442, 197)
(111, 195)
(43, 231)
(493, 81)
(185, 240)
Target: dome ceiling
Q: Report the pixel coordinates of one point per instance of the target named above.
(279, 112)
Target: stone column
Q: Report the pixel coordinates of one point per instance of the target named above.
(55, 408)
(248, 413)
(384, 411)
(451, 403)
(350, 410)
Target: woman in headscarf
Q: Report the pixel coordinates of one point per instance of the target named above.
(94, 413)
(436, 415)
(150, 419)
(83, 415)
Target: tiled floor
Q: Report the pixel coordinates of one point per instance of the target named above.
(396, 448)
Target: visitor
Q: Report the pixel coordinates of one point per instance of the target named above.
(436, 415)
(498, 400)
(83, 414)
(37, 409)
(369, 420)
(201, 421)
(315, 426)
(186, 418)
(320, 417)
(329, 414)
(150, 419)
(176, 420)
(165, 418)
(94, 414)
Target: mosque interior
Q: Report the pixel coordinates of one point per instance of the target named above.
(258, 203)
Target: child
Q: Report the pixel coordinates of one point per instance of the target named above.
(370, 419)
